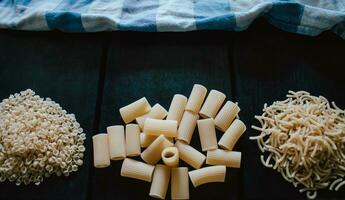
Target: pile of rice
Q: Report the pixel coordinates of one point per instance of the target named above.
(303, 138)
(37, 138)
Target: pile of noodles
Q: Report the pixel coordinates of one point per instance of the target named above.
(303, 138)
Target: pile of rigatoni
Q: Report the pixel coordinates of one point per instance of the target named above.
(166, 136)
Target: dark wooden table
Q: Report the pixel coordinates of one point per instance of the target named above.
(93, 75)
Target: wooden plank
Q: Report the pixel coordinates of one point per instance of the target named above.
(157, 67)
(61, 66)
(268, 63)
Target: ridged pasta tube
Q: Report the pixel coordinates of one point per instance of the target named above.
(207, 134)
(152, 154)
(160, 182)
(177, 107)
(196, 98)
(226, 115)
(170, 156)
(190, 155)
(161, 127)
(224, 157)
(137, 170)
(156, 112)
(117, 143)
(101, 156)
(134, 110)
(132, 140)
(207, 175)
(231, 136)
(187, 126)
(179, 183)
(212, 104)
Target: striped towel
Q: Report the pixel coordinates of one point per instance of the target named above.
(309, 17)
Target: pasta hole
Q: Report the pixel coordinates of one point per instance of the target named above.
(169, 154)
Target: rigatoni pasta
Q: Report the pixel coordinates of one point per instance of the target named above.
(226, 115)
(137, 170)
(101, 156)
(196, 98)
(190, 155)
(158, 136)
(152, 154)
(224, 157)
(132, 140)
(170, 156)
(230, 137)
(116, 141)
(160, 182)
(212, 104)
(187, 126)
(177, 107)
(207, 134)
(179, 183)
(207, 175)
(161, 127)
(156, 112)
(146, 140)
(134, 110)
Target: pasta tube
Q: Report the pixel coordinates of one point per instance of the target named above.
(187, 126)
(196, 98)
(179, 183)
(226, 115)
(116, 141)
(212, 104)
(152, 154)
(161, 127)
(137, 170)
(101, 156)
(170, 156)
(157, 112)
(134, 110)
(160, 182)
(207, 175)
(207, 134)
(230, 137)
(224, 157)
(132, 140)
(177, 107)
(190, 155)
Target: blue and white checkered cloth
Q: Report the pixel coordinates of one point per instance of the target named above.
(309, 17)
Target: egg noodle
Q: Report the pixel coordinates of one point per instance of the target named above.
(303, 138)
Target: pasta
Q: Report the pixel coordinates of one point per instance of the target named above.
(179, 183)
(226, 115)
(177, 107)
(207, 134)
(302, 137)
(160, 182)
(212, 104)
(101, 156)
(231, 136)
(207, 175)
(190, 155)
(158, 127)
(224, 157)
(134, 110)
(196, 98)
(117, 143)
(187, 126)
(157, 112)
(146, 140)
(170, 156)
(152, 154)
(137, 170)
(132, 140)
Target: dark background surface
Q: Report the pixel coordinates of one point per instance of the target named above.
(93, 75)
